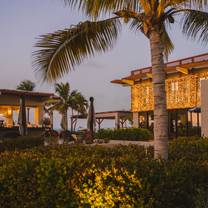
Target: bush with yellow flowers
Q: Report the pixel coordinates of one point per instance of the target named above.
(108, 187)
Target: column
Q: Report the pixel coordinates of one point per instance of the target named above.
(117, 121)
(9, 117)
(135, 120)
(204, 108)
(39, 112)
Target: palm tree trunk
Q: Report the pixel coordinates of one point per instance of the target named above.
(72, 129)
(160, 106)
(64, 120)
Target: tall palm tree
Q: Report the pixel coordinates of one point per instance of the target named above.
(26, 85)
(60, 51)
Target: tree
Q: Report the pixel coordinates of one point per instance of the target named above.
(60, 51)
(74, 100)
(26, 85)
(79, 104)
(63, 91)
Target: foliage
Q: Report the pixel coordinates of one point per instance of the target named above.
(132, 134)
(26, 85)
(20, 143)
(108, 187)
(73, 177)
(60, 51)
(74, 100)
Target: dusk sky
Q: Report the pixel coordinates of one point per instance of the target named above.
(22, 21)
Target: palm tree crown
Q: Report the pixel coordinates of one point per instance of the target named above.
(26, 85)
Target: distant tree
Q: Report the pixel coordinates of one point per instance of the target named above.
(79, 104)
(26, 85)
(74, 100)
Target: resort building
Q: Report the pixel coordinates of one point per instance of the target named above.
(183, 88)
(16, 107)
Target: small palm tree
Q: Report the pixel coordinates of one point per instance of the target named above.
(62, 50)
(63, 91)
(26, 85)
(78, 104)
(74, 100)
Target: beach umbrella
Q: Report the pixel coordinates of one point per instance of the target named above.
(22, 117)
(91, 120)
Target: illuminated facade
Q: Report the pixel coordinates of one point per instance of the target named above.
(10, 107)
(183, 84)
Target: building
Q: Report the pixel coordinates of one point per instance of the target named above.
(11, 102)
(183, 87)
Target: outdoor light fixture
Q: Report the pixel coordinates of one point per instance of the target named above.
(9, 112)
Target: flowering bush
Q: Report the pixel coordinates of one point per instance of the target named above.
(108, 187)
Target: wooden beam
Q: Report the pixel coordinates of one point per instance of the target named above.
(127, 81)
(149, 75)
(182, 70)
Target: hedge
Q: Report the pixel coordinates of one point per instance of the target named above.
(20, 143)
(133, 134)
(82, 176)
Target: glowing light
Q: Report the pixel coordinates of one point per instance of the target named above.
(9, 112)
(182, 92)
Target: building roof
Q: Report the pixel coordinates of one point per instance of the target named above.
(26, 93)
(171, 67)
(105, 115)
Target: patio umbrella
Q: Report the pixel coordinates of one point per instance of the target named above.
(22, 117)
(195, 110)
(91, 120)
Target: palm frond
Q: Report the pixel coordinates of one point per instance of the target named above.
(167, 43)
(59, 52)
(195, 24)
(96, 7)
(187, 3)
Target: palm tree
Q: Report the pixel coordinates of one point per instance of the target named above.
(74, 100)
(79, 104)
(63, 91)
(26, 85)
(60, 51)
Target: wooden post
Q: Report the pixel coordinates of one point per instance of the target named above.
(187, 129)
(22, 118)
(176, 124)
(147, 118)
(198, 130)
(191, 115)
(135, 119)
(92, 116)
(28, 115)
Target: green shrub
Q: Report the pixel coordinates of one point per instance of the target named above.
(131, 134)
(20, 143)
(64, 176)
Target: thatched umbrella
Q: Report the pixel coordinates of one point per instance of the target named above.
(91, 120)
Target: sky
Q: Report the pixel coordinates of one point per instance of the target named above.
(23, 21)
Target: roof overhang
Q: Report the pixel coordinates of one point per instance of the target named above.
(179, 66)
